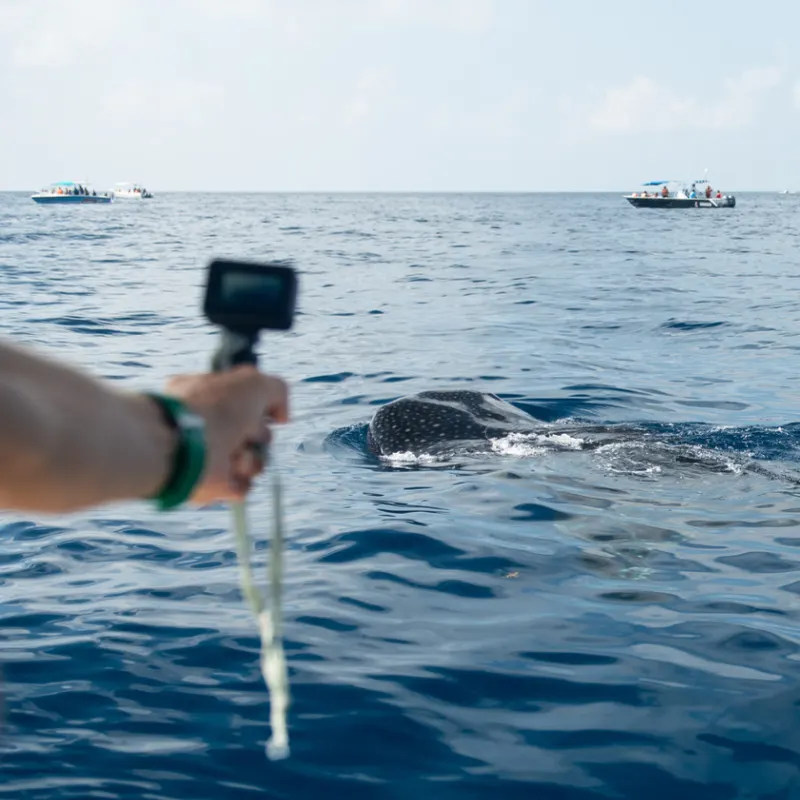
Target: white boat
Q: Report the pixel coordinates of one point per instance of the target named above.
(679, 194)
(70, 193)
(130, 191)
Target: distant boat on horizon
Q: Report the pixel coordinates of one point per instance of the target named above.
(69, 193)
(679, 194)
(124, 190)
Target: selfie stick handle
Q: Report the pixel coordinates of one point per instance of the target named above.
(235, 348)
(239, 348)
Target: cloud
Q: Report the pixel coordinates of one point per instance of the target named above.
(644, 105)
(743, 97)
(459, 15)
(296, 24)
(149, 104)
(48, 33)
(234, 9)
(502, 119)
(372, 87)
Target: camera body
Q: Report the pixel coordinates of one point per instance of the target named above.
(244, 298)
(247, 298)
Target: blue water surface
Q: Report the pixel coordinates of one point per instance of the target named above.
(558, 625)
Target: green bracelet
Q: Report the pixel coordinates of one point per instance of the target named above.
(189, 458)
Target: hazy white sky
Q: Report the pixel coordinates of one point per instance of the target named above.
(399, 94)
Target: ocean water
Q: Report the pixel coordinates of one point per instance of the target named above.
(521, 623)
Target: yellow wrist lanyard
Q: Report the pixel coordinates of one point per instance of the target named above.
(187, 471)
(273, 659)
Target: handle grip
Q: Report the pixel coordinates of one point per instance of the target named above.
(235, 348)
(238, 348)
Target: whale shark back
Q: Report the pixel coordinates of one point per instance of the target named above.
(433, 420)
(442, 423)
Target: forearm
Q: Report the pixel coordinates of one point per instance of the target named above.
(68, 441)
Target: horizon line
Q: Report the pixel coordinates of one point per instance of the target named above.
(396, 191)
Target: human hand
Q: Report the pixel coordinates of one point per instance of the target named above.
(237, 406)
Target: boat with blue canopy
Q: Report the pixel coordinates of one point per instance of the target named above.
(680, 194)
(70, 192)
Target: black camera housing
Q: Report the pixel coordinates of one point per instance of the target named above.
(246, 298)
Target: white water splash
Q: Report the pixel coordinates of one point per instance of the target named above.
(641, 458)
(524, 445)
(409, 458)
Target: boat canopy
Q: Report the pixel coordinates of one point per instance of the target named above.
(685, 183)
(678, 183)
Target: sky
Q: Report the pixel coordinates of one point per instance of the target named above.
(399, 95)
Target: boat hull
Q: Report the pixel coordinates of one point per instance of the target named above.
(132, 196)
(69, 199)
(729, 201)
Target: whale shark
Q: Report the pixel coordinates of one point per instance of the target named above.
(426, 422)
(433, 422)
(442, 424)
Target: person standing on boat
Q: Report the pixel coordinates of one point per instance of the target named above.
(664, 191)
(708, 190)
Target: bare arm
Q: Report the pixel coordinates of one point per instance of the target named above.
(68, 441)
